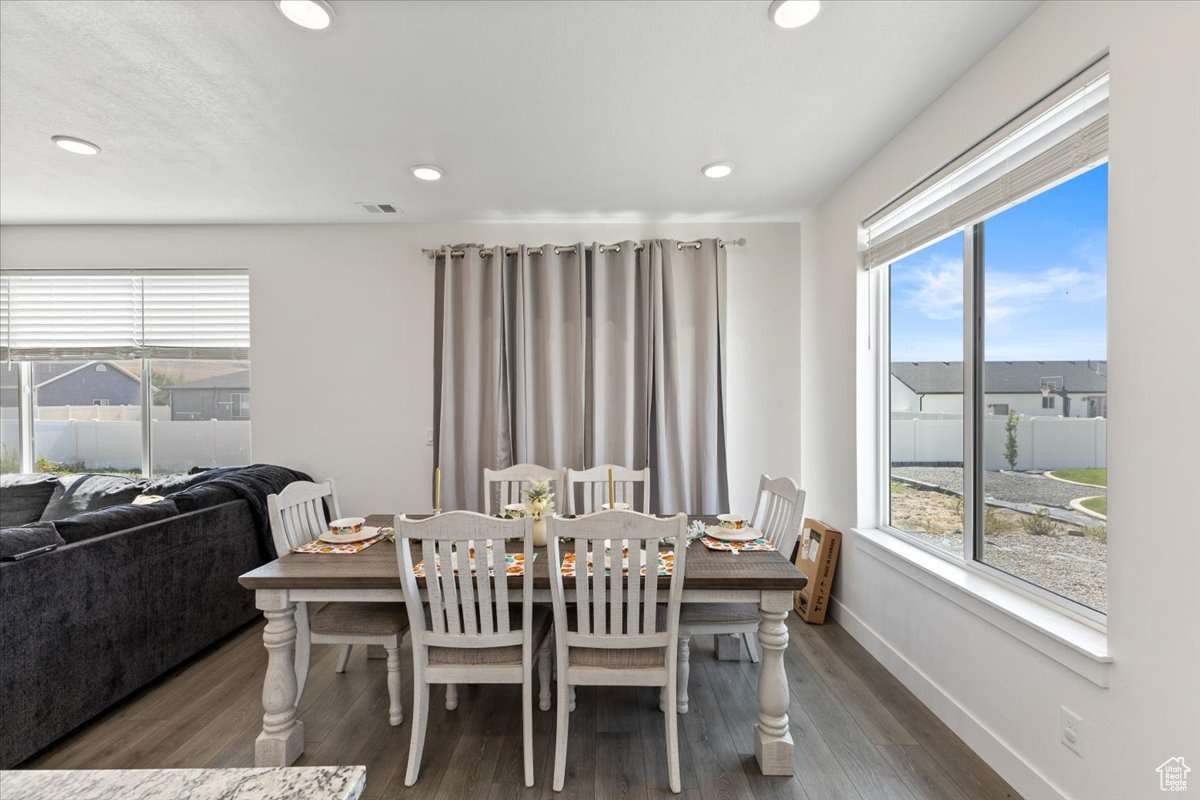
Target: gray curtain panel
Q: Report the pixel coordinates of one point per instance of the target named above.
(582, 357)
(544, 322)
(687, 429)
(471, 395)
(619, 363)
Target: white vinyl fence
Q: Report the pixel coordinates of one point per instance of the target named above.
(1043, 443)
(101, 444)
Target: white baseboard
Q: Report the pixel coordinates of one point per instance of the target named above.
(1022, 776)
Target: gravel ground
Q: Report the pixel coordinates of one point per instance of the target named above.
(1072, 566)
(1012, 487)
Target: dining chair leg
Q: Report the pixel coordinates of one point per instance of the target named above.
(751, 640)
(527, 725)
(672, 725)
(395, 687)
(562, 723)
(451, 696)
(544, 661)
(416, 742)
(685, 672)
(343, 657)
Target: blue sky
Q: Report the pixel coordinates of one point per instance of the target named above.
(1046, 277)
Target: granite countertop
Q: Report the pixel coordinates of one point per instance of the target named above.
(275, 783)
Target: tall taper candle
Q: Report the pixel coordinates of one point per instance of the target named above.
(612, 490)
(437, 489)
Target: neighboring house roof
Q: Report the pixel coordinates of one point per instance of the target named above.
(232, 380)
(66, 370)
(1002, 377)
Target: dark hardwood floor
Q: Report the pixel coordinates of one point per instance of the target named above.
(859, 733)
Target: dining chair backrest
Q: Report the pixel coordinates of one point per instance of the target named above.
(779, 512)
(297, 513)
(587, 489)
(467, 608)
(613, 610)
(504, 486)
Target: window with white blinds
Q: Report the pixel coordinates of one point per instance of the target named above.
(57, 316)
(1062, 135)
(196, 316)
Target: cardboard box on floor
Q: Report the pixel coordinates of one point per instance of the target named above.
(816, 557)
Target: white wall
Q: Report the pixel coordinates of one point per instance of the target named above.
(999, 694)
(342, 336)
(903, 398)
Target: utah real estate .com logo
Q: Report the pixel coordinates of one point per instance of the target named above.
(1172, 775)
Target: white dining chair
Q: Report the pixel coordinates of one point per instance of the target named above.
(502, 487)
(472, 633)
(778, 513)
(297, 516)
(587, 489)
(615, 632)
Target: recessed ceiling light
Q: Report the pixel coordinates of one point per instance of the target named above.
(427, 172)
(316, 15)
(718, 169)
(73, 145)
(793, 13)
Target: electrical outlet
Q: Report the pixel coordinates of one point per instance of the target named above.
(429, 437)
(1072, 730)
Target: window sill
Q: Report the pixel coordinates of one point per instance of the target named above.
(1059, 636)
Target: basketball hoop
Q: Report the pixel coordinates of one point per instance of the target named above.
(1046, 390)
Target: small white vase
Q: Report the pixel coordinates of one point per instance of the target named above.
(539, 532)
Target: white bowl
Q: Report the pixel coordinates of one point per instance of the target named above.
(347, 525)
(514, 510)
(734, 521)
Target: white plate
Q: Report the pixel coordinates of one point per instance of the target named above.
(746, 534)
(367, 532)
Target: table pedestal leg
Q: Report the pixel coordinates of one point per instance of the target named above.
(773, 746)
(282, 739)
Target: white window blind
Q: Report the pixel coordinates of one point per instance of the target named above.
(47, 316)
(196, 316)
(1062, 135)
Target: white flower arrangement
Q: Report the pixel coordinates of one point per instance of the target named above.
(539, 500)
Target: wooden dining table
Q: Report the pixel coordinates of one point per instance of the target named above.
(766, 578)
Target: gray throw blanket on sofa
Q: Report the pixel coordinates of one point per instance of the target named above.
(253, 484)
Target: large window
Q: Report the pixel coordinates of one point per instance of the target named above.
(992, 283)
(137, 373)
(926, 391)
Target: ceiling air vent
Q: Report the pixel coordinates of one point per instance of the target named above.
(379, 208)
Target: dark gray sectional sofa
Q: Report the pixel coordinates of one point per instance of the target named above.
(130, 592)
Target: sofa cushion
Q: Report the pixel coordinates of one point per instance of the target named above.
(91, 524)
(77, 493)
(23, 498)
(202, 496)
(23, 538)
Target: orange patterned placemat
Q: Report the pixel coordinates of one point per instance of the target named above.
(736, 547)
(317, 546)
(666, 564)
(514, 564)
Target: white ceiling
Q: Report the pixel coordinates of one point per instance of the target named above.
(213, 111)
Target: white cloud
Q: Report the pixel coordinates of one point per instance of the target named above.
(1010, 294)
(935, 290)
